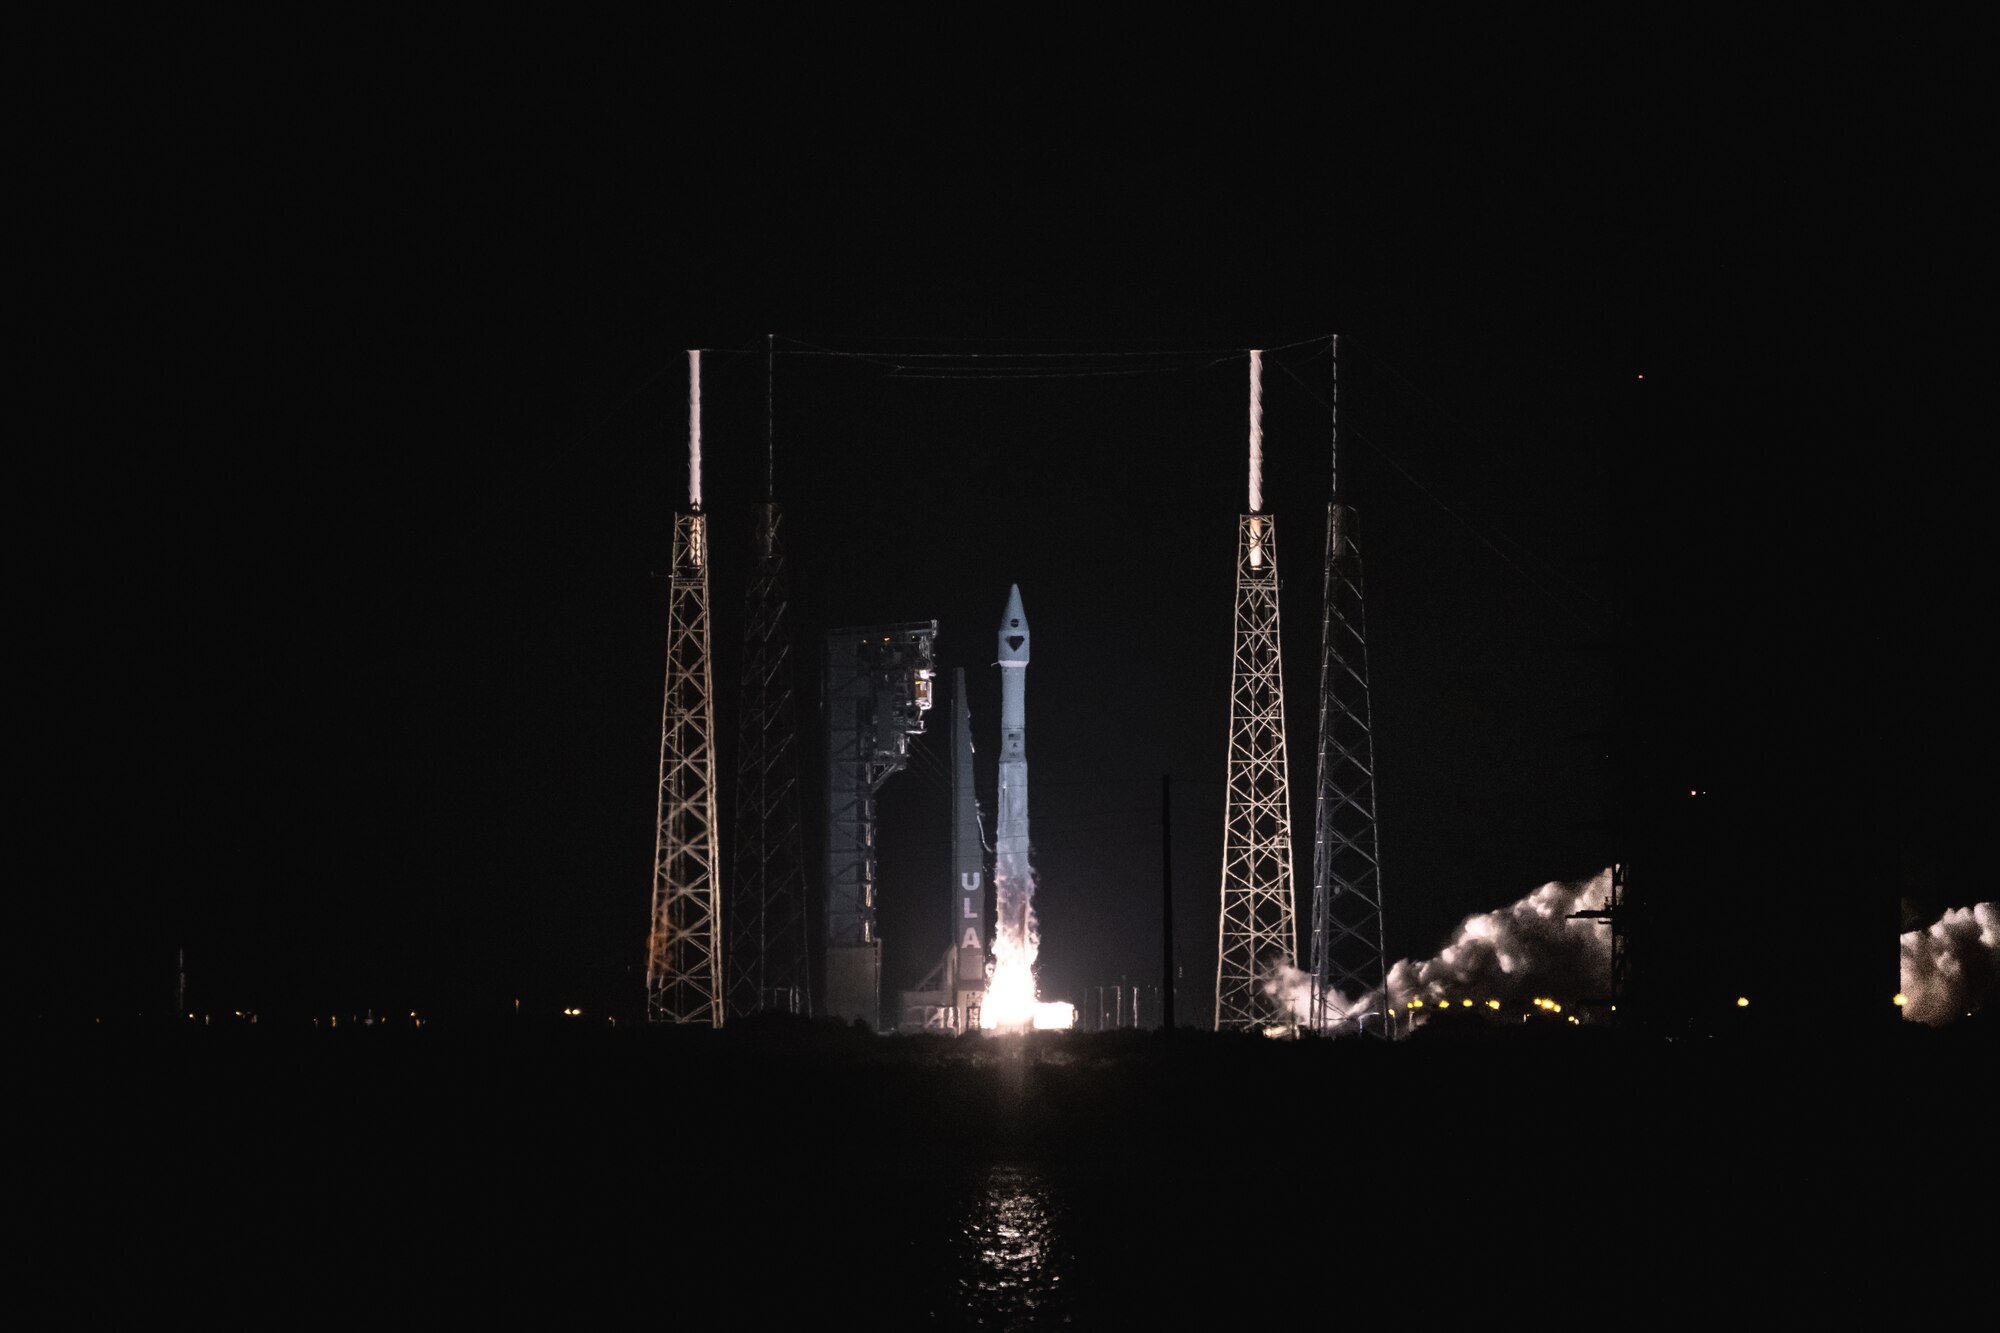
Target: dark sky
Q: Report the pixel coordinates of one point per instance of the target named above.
(360, 361)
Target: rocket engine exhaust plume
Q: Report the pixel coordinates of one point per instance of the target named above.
(694, 429)
(1504, 955)
(1012, 1003)
(1952, 967)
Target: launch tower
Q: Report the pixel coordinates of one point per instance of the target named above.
(1348, 958)
(684, 954)
(767, 966)
(878, 689)
(1258, 929)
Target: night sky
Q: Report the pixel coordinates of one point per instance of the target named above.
(360, 384)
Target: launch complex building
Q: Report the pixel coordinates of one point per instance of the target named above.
(877, 692)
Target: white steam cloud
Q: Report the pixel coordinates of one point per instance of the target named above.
(1952, 967)
(1510, 955)
(1529, 946)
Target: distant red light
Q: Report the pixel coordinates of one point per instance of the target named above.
(1642, 377)
(1691, 793)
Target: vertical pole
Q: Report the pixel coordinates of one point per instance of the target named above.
(694, 431)
(1167, 901)
(770, 414)
(1256, 432)
(1333, 439)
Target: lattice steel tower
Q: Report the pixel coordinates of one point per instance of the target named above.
(1349, 964)
(684, 951)
(1258, 927)
(767, 961)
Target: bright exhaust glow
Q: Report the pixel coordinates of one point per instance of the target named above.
(1054, 1016)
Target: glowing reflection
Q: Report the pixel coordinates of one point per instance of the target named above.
(1014, 1249)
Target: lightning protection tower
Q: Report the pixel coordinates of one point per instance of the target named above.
(1258, 927)
(1348, 960)
(684, 953)
(767, 965)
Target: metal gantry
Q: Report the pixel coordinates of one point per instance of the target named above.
(1348, 958)
(767, 962)
(877, 691)
(1258, 926)
(684, 946)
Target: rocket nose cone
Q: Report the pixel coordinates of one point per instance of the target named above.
(1014, 629)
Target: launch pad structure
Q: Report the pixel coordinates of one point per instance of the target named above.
(1258, 931)
(684, 946)
(878, 691)
(768, 966)
(1349, 956)
(1258, 927)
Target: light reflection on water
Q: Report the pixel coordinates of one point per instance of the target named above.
(1014, 1256)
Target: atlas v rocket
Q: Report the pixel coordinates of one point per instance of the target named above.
(1012, 886)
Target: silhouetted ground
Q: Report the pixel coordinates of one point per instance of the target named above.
(781, 1172)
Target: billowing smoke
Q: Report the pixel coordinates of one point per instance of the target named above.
(1290, 990)
(1952, 967)
(1517, 953)
(1531, 948)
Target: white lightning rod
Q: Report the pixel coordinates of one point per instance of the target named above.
(1333, 412)
(1256, 431)
(694, 430)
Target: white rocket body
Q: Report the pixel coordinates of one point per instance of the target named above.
(1012, 886)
